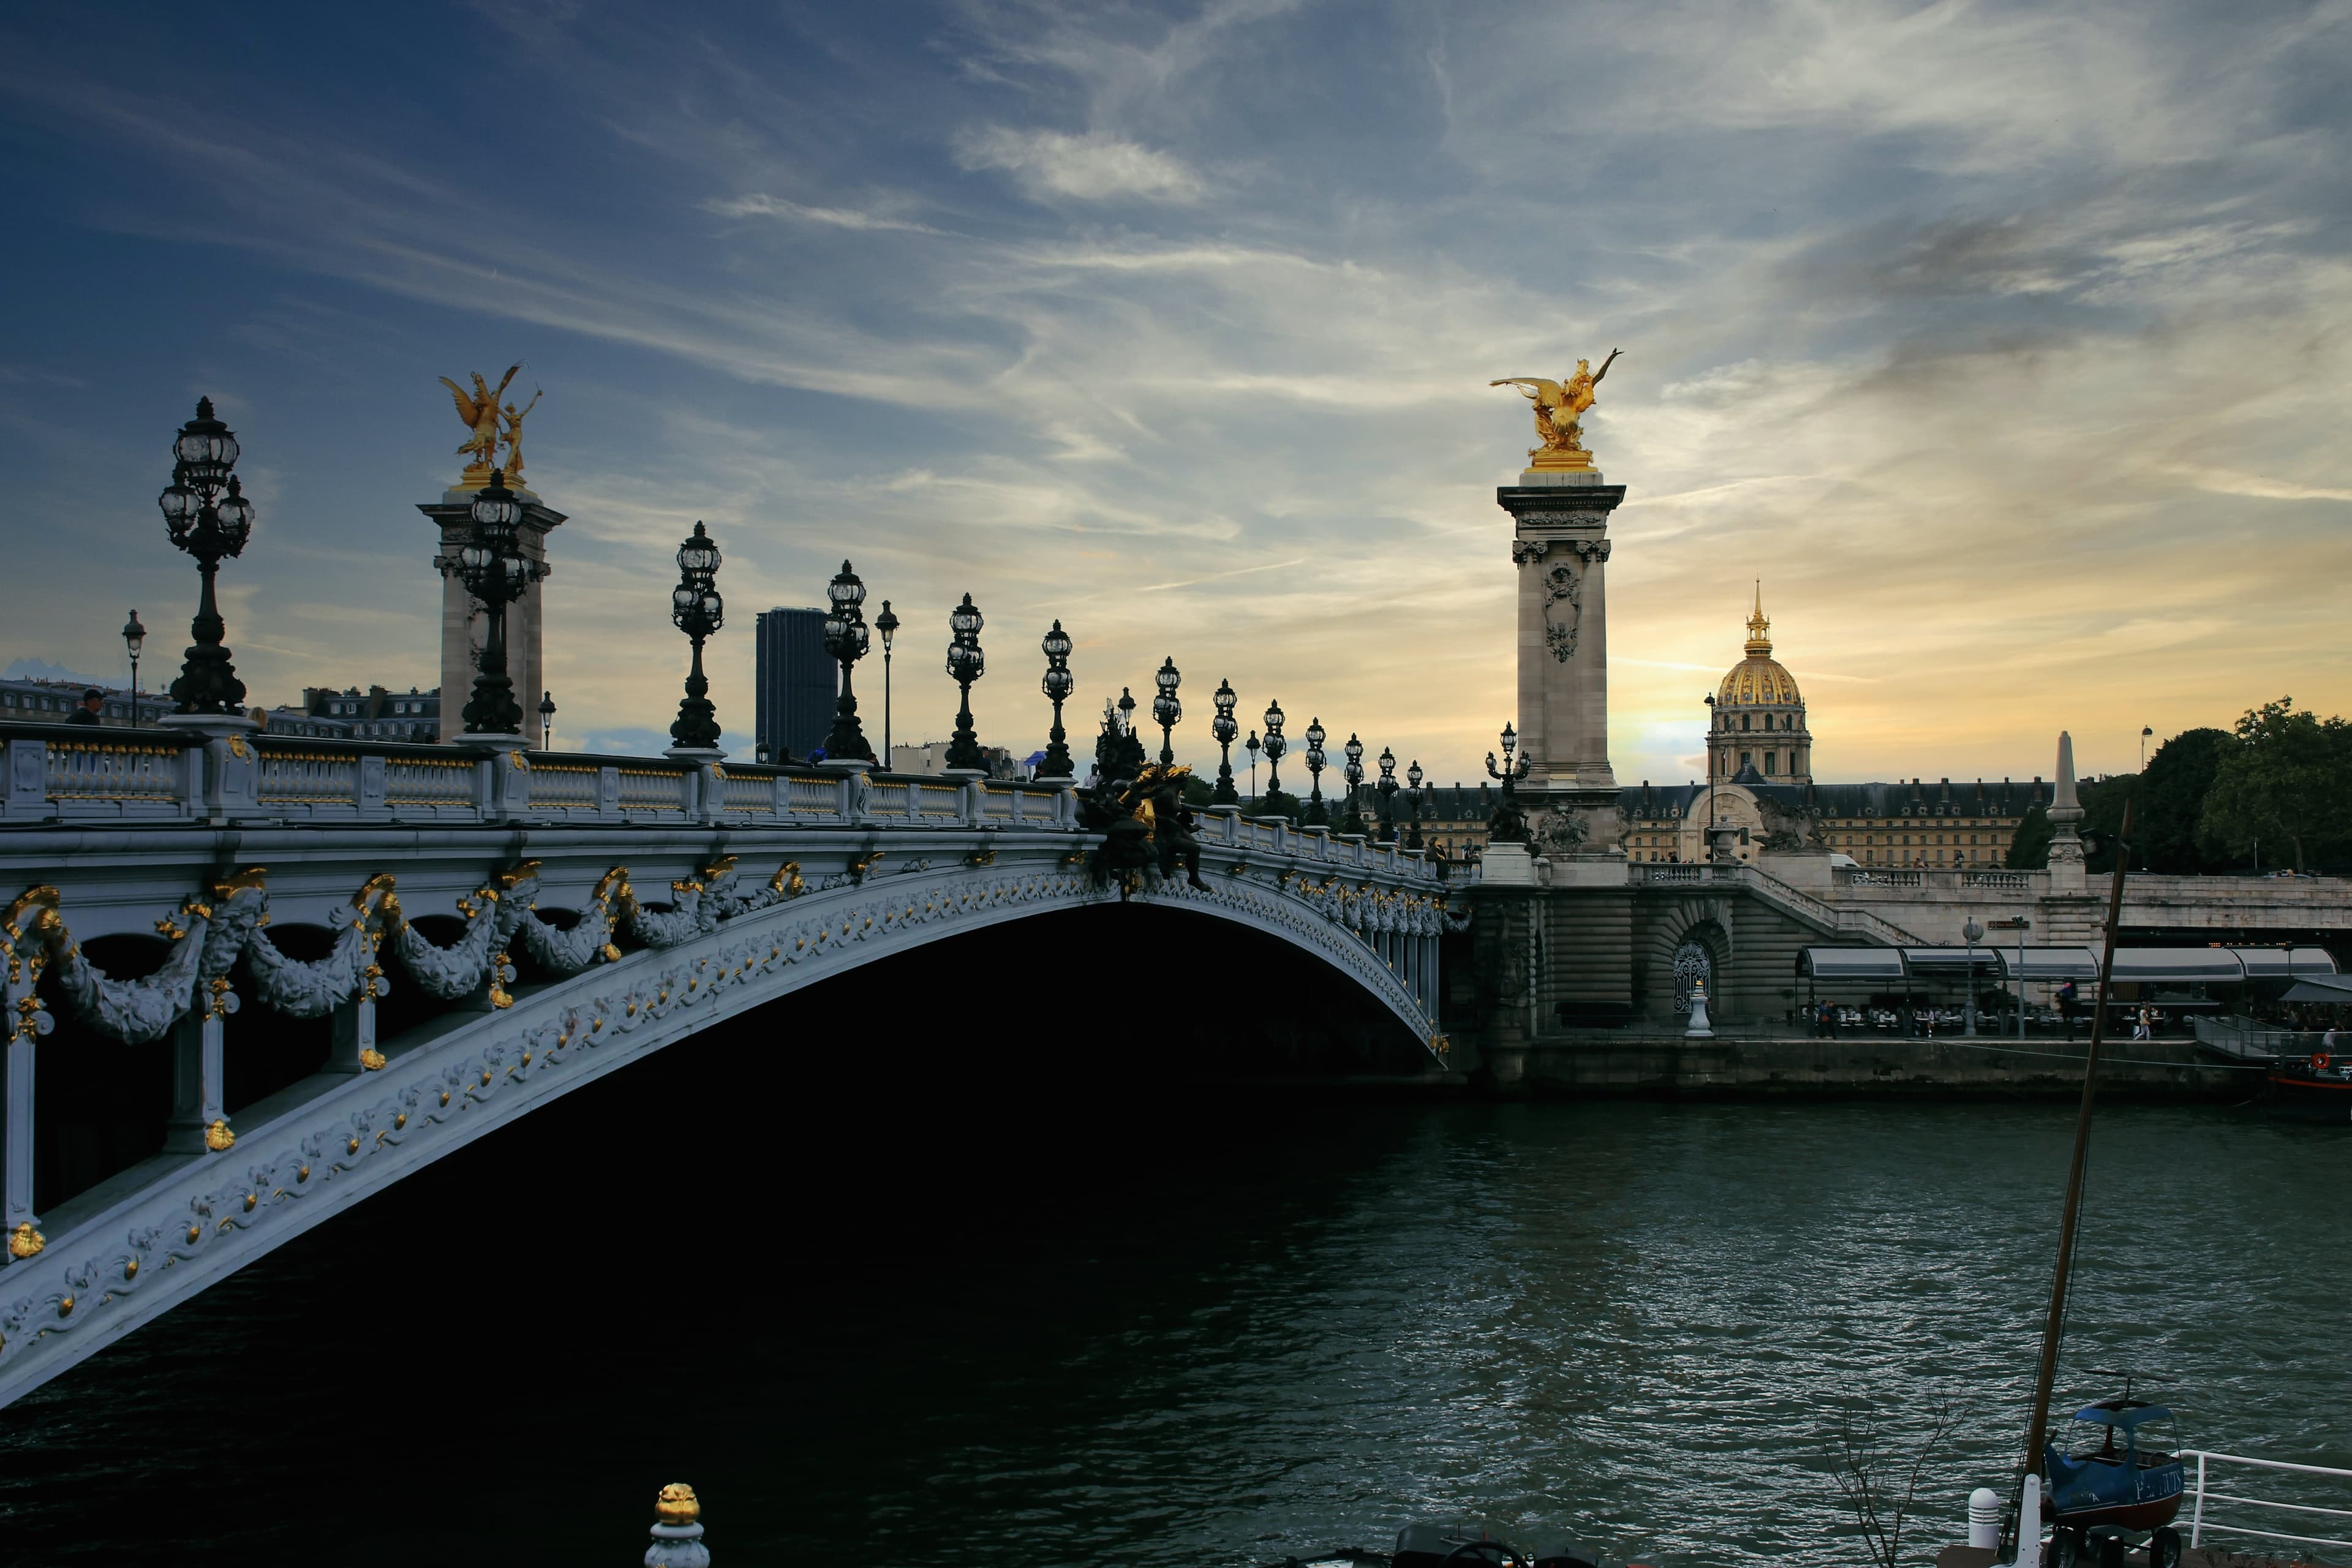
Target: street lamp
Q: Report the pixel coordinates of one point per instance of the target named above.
(1412, 779)
(1165, 710)
(696, 609)
(1512, 771)
(1315, 756)
(134, 637)
(1224, 728)
(1253, 748)
(2021, 925)
(491, 562)
(1058, 685)
(1354, 774)
(1972, 933)
(211, 526)
(885, 626)
(1707, 839)
(967, 664)
(1276, 746)
(846, 641)
(1386, 788)
(546, 721)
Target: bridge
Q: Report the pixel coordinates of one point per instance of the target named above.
(475, 930)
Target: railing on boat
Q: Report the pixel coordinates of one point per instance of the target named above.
(2198, 1526)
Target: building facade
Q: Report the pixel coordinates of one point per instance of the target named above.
(376, 715)
(37, 701)
(795, 683)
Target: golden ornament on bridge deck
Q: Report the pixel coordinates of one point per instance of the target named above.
(1559, 407)
(677, 1504)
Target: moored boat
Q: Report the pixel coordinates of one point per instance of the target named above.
(2317, 1088)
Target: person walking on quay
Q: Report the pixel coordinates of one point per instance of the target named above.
(2140, 1026)
(2066, 1008)
(91, 701)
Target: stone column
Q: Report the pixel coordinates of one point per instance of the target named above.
(460, 639)
(1560, 546)
(2067, 874)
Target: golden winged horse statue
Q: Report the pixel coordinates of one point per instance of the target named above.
(480, 413)
(1559, 407)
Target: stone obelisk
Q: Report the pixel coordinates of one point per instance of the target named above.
(1559, 510)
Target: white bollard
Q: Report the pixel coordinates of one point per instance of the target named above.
(1984, 1517)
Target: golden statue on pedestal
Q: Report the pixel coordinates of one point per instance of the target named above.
(1559, 407)
(482, 413)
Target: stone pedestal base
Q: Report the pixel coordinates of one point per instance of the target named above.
(1508, 865)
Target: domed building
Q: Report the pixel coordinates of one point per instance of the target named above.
(1760, 716)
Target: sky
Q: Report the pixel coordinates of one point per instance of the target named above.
(2008, 346)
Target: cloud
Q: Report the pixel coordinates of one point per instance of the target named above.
(1089, 168)
(760, 205)
(2222, 481)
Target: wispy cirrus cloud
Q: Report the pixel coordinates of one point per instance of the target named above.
(1088, 168)
(758, 204)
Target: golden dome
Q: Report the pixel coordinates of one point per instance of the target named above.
(1758, 680)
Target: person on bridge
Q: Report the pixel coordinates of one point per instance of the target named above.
(91, 701)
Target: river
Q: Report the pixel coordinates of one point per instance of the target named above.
(1134, 1329)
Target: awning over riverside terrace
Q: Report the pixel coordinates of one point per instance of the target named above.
(2134, 965)
(2334, 988)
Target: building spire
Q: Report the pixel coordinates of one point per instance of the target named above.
(1758, 641)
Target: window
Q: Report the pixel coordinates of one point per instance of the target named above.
(1746, 758)
(1770, 758)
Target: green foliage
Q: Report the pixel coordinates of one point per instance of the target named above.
(2103, 819)
(2029, 847)
(2284, 780)
(1197, 791)
(2178, 778)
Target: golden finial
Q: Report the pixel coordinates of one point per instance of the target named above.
(217, 1136)
(25, 1241)
(1758, 643)
(677, 1504)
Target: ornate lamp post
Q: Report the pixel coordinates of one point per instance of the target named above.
(1506, 826)
(1254, 747)
(1224, 728)
(1275, 748)
(1413, 780)
(210, 526)
(134, 637)
(1316, 757)
(495, 573)
(846, 640)
(1166, 710)
(1058, 685)
(696, 609)
(1354, 821)
(1386, 788)
(967, 664)
(546, 720)
(887, 626)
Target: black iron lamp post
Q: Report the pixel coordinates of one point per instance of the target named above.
(1275, 748)
(1254, 746)
(1058, 685)
(211, 526)
(546, 720)
(1354, 821)
(1412, 794)
(967, 664)
(1386, 789)
(885, 626)
(1166, 710)
(1316, 757)
(695, 609)
(846, 641)
(1512, 771)
(1224, 728)
(491, 565)
(1707, 839)
(134, 637)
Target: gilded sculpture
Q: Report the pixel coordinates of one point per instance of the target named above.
(482, 413)
(1559, 407)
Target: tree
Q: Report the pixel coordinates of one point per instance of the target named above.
(2029, 847)
(1881, 1481)
(2103, 819)
(2284, 780)
(2172, 799)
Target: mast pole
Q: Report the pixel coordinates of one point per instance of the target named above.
(2056, 1323)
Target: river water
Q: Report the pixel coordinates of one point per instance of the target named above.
(1141, 1330)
